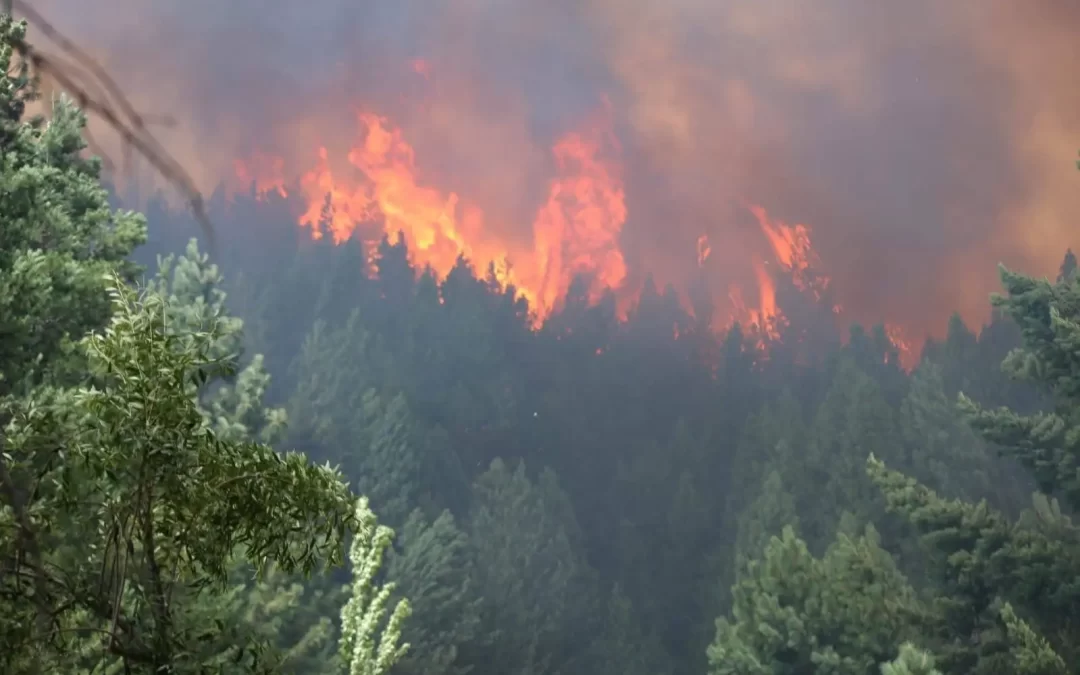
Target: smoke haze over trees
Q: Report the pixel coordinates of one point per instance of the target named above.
(921, 141)
(625, 483)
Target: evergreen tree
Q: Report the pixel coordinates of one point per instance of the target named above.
(1068, 267)
(944, 451)
(911, 661)
(434, 569)
(624, 646)
(766, 517)
(58, 237)
(196, 302)
(844, 613)
(532, 578)
(984, 557)
(853, 417)
(156, 503)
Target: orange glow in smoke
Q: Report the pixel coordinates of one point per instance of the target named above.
(575, 231)
(703, 250)
(376, 188)
(903, 345)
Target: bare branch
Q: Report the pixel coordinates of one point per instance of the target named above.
(113, 107)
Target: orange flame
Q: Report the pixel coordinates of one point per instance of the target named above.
(793, 250)
(767, 313)
(766, 316)
(576, 231)
(266, 173)
(908, 355)
(703, 249)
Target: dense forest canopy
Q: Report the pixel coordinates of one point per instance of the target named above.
(191, 447)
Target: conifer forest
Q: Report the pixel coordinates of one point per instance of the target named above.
(288, 444)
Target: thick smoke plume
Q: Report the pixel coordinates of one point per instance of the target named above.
(921, 142)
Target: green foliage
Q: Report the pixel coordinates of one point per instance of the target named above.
(767, 516)
(945, 452)
(624, 645)
(196, 303)
(155, 502)
(289, 618)
(853, 418)
(58, 236)
(1047, 443)
(984, 558)
(434, 569)
(1031, 653)
(366, 646)
(340, 411)
(527, 568)
(911, 661)
(793, 613)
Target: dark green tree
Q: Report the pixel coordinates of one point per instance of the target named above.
(987, 559)
(196, 303)
(433, 567)
(1068, 267)
(128, 472)
(844, 613)
(58, 236)
(532, 577)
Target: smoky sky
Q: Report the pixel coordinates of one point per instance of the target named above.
(923, 142)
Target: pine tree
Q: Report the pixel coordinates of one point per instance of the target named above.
(624, 646)
(766, 517)
(1068, 267)
(842, 614)
(854, 417)
(196, 302)
(145, 506)
(433, 568)
(532, 578)
(984, 558)
(944, 451)
(58, 237)
(911, 661)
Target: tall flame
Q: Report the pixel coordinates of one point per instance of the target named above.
(792, 249)
(376, 189)
(767, 313)
(265, 173)
(703, 250)
(575, 232)
(907, 354)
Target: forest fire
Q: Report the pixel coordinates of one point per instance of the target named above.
(903, 346)
(465, 127)
(380, 190)
(886, 157)
(791, 247)
(575, 232)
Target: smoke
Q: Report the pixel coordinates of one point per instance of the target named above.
(923, 142)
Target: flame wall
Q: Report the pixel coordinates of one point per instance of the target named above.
(922, 142)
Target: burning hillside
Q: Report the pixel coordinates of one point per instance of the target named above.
(917, 144)
(380, 190)
(377, 187)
